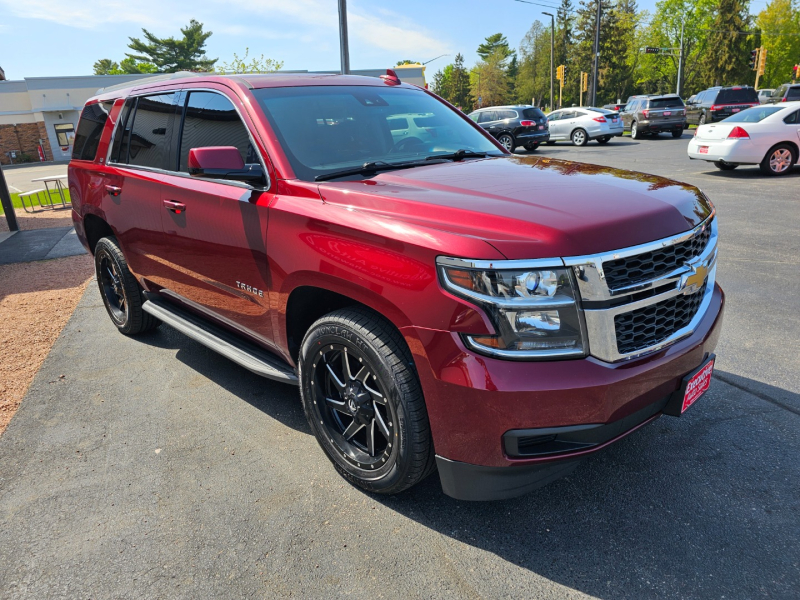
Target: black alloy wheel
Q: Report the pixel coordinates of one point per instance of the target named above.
(110, 281)
(364, 402)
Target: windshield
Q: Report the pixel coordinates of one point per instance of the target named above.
(666, 103)
(754, 115)
(329, 128)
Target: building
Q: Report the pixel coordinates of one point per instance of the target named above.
(38, 115)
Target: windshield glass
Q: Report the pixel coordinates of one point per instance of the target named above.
(675, 102)
(324, 129)
(753, 115)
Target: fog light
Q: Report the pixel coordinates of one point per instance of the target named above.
(537, 322)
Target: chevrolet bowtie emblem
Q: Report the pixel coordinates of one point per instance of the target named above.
(691, 282)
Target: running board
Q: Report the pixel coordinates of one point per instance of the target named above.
(241, 352)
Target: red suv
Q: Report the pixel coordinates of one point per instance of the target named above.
(438, 301)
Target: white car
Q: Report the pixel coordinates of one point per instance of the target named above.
(581, 124)
(767, 135)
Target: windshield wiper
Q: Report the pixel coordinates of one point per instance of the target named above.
(367, 168)
(458, 155)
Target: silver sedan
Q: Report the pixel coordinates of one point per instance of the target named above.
(581, 124)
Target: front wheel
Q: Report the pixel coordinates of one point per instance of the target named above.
(779, 160)
(579, 137)
(364, 402)
(725, 166)
(507, 141)
(702, 120)
(119, 289)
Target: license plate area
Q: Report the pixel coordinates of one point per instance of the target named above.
(703, 149)
(694, 385)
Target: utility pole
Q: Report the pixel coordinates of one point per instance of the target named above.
(344, 46)
(680, 58)
(8, 208)
(596, 68)
(552, 52)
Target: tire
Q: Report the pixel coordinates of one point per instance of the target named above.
(389, 448)
(603, 140)
(550, 143)
(531, 147)
(507, 141)
(676, 133)
(635, 134)
(725, 166)
(702, 120)
(121, 293)
(579, 137)
(779, 160)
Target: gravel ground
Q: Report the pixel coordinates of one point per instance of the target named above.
(36, 300)
(39, 220)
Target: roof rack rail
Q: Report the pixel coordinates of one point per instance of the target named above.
(147, 78)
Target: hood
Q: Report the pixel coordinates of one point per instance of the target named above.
(530, 207)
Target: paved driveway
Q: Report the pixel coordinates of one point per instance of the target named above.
(154, 468)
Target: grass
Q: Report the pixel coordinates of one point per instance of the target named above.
(54, 196)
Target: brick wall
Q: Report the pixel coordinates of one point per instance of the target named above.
(23, 138)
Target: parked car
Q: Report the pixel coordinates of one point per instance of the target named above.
(521, 125)
(654, 114)
(788, 92)
(765, 135)
(717, 103)
(614, 107)
(579, 125)
(764, 95)
(438, 303)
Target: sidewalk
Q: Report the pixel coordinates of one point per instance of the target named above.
(39, 244)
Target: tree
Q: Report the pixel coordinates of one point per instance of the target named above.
(406, 62)
(496, 42)
(452, 83)
(778, 23)
(488, 80)
(170, 55)
(254, 65)
(725, 59)
(104, 66)
(533, 77)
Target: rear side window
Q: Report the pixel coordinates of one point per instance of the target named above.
(397, 124)
(794, 93)
(657, 103)
(507, 114)
(533, 113)
(90, 130)
(793, 118)
(487, 116)
(150, 133)
(211, 120)
(122, 134)
(737, 96)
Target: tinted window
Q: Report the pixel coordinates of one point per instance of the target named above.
(754, 115)
(793, 118)
(487, 116)
(150, 134)
(554, 116)
(732, 96)
(780, 92)
(568, 114)
(666, 103)
(532, 113)
(122, 134)
(397, 124)
(212, 120)
(794, 93)
(507, 114)
(475, 116)
(90, 129)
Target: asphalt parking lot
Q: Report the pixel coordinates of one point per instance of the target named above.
(156, 469)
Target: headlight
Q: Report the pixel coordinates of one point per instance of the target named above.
(534, 311)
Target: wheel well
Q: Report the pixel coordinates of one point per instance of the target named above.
(306, 304)
(790, 143)
(95, 229)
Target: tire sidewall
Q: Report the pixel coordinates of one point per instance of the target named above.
(510, 137)
(634, 130)
(334, 332)
(105, 248)
(585, 137)
(765, 166)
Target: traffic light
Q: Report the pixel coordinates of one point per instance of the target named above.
(584, 82)
(754, 59)
(560, 73)
(795, 71)
(762, 61)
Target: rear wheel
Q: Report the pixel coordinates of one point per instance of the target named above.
(531, 147)
(725, 166)
(122, 294)
(550, 142)
(676, 133)
(702, 120)
(507, 141)
(779, 160)
(635, 130)
(579, 137)
(364, 402)
(603, 140)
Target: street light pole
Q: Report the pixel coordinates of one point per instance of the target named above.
(8, 208)
(596, 68)
(344, 46)
(680, 59)
(552, 51)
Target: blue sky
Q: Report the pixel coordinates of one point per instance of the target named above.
(64, 37)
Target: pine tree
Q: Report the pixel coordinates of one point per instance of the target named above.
(726, 56)
(170, 55)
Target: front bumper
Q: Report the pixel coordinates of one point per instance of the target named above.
(474, 402)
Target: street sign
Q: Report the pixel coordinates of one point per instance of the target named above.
(651, 50)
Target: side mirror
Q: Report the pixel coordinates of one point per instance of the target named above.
(222, 162)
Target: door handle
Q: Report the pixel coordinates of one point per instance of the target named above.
(176, 207)
(113, 190)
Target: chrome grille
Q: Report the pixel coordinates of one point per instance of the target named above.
(624, 272)
(651, 325)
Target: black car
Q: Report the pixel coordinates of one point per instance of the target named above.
(513, 126)
(788, 92)
(717, 103)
